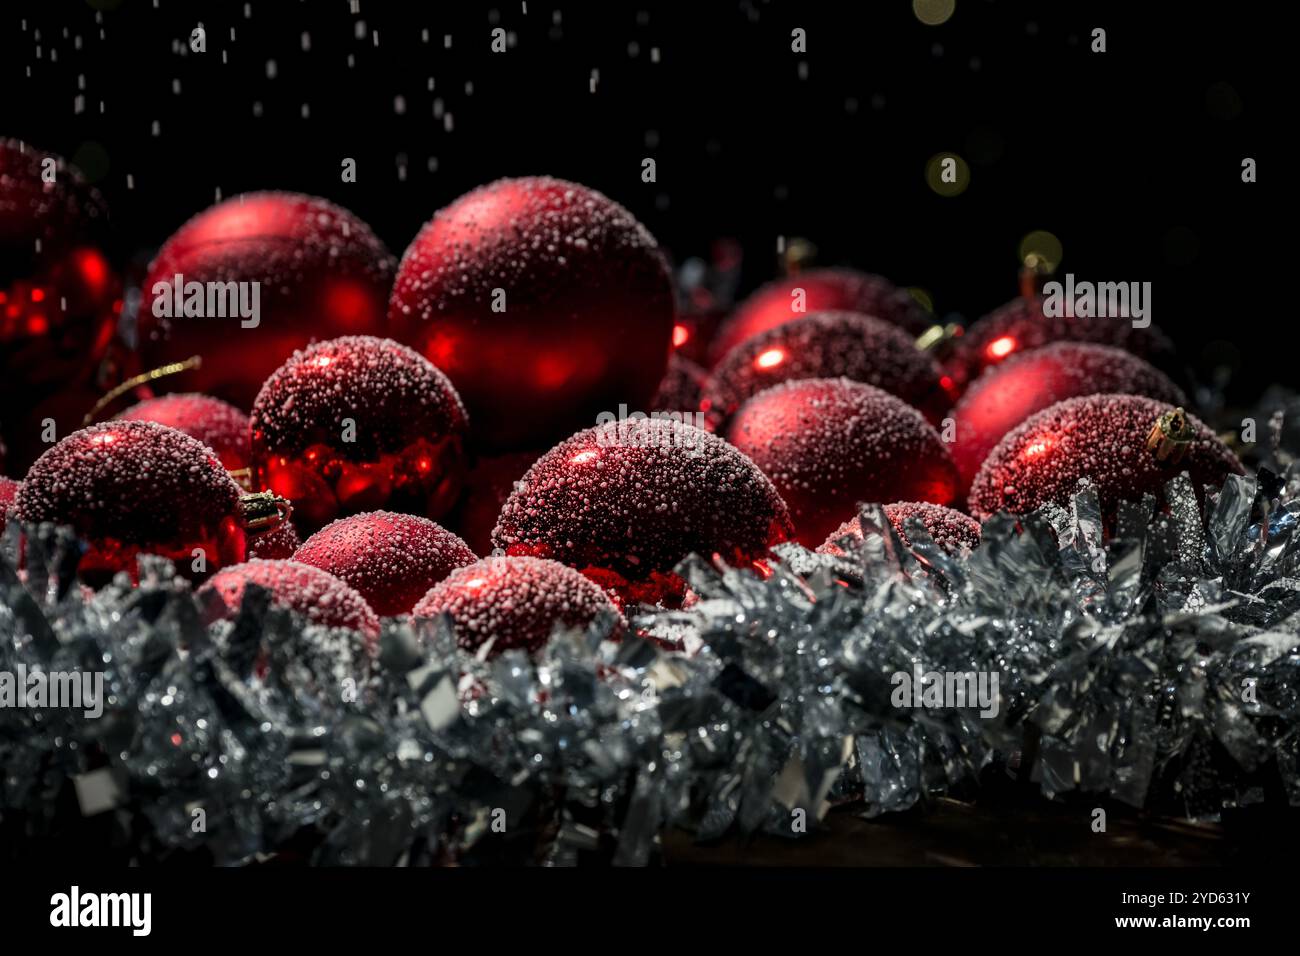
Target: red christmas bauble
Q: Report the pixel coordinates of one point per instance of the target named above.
(276, 545)
(391, 559)
(318, 596)
(8, 492)
(828, 444)
(545, 302)
(321, 273)
(1005, 395)
(680, 389)
(487, 486)
(705, 289)
(818, 290)
(46, 210)
(624, 502)
(359, 424)
(1105, 438)
(132, 488)
(219, 425)
(59, 299)
(947, 527)
(515, 602)
(1020, 325)
(827, 345)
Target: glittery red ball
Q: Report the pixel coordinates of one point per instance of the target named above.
(828, 444)
(487, 486)
(1100, 437)
(827, 345)
(1005, 395)
(681, 388)
(1020, 325)
(132, 488)
(949, 529)
(544, 301)
(321, 272)
(41, 220)
(358, 424)
(276, 545)
(391, 559)
(219, 425)
(8, 492)
(59, 300)
(781, 301)
(318, 596)
(515, 603)
(626, 501)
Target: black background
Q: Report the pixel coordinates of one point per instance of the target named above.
(738, 909)
(1131, 157)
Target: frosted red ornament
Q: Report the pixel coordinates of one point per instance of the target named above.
(1020, 325)
(680, 390)
(359, 424)
(516, 603)
(827, 345)
(1102, 438)
(781, 301)
(43, 218)
(132, 488)
(390, 559)
(1028, 382)
(276, 545)
(947, 527)
(828, 444)
(60, 299)
(625, 502)
(8, 492)
(318, 596)
(219, 425)
(545, 302)
(321, 273)
(489, 483)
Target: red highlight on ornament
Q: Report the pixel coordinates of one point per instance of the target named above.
(1001, 347)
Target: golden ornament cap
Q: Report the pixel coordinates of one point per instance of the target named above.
(264, 511)
(1170, 437)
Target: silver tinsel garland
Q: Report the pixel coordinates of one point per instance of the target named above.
(1159, 668)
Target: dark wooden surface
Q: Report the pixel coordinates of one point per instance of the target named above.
(949, 833)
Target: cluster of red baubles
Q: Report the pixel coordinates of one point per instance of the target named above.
(380, 398)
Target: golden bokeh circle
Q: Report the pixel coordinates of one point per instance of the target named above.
(934, 12)
(958, 171)
(1043, 247)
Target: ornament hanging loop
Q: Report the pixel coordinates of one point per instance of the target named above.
(939, 337)
(144, 378)
(1034, 272)
(798, 255)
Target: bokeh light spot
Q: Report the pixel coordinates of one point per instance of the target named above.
(1001, 347)
(947, 174)
(1044, 247)
(934, 12)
